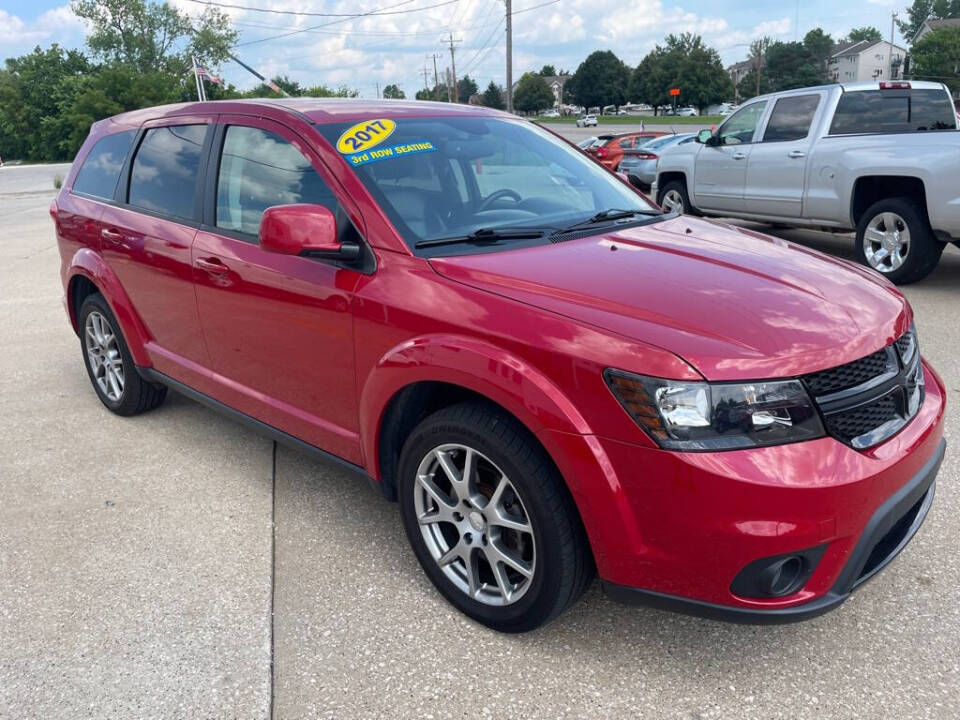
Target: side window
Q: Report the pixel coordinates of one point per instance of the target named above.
(259, 169)
(740, 126)
(877, 111)
(791, 118)
(163, 177)
(627, 143)
(100, 171)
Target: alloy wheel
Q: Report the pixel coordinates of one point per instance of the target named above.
(673, 201)
(103, 353)
(474, 524)
(886, 242)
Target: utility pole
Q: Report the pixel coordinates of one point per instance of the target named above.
(452, 93)
(893, 18)
(436, 78)
(509, 4)
(378, 90)
(763, 47)
(426, 73)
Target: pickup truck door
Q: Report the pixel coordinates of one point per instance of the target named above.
(776, 169)
(720, 172)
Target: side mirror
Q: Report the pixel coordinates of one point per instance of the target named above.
(304, 229)
(705, 136)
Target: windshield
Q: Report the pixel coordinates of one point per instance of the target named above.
(452, 176)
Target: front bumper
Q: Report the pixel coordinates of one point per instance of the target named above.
(888, 531)
(675, 529)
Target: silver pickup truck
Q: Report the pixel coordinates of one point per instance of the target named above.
(879, 158)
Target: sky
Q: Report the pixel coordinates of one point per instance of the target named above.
(393, 48)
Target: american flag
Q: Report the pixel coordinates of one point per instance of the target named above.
(204, 73)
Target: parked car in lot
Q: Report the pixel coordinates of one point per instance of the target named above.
(588, 142)
(551, 114)
(877, 158)
(587, 121)
(553, 377)
(687, 112)
(609, 148)
(639, 163)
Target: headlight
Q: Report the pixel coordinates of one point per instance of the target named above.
(681, 415)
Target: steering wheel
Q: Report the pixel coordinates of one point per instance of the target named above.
(496, 195)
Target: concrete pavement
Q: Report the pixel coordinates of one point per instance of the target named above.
(139, 571)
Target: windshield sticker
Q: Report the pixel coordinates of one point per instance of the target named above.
(392, 151)
(365, 135)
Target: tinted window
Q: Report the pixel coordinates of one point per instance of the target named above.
(259, 170)
(791, 118)
(739, 128)
(164, 173)
(100, 171)
(877, 111)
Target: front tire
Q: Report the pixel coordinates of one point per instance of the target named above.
(490, 520)
(673, 197)
(109, 364)
(894, 238)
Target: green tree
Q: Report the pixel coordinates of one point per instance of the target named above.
(532, 94)
(866, 32)
(438, 93)
(493, 96)
(548, 71)
(920, 10)
(819, 47)
(29, 92)
(936, 56)
(684, 62)
(600, 80)
(154, 36)
(466, 86)
(393, 92)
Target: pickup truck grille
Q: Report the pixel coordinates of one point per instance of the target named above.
(869, 400)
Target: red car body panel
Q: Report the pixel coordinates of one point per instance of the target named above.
(323, 349)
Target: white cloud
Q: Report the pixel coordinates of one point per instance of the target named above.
(58, 25)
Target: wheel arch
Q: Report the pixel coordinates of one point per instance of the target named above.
(89, 274)
(869, 189)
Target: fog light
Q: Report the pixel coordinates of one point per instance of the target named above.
(777, 575)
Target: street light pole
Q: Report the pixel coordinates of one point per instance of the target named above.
(509, 4)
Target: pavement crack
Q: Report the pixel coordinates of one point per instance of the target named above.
(273, 574)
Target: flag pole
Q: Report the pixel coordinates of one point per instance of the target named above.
(196, 78)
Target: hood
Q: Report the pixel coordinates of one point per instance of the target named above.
(733, 303)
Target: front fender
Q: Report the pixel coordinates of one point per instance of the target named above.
(87, 263)
(528, 395)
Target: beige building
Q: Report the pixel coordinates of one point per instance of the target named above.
(866, 61)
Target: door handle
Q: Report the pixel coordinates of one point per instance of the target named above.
(212, 266)
(112, 235)
(739, 156)
(796, 154)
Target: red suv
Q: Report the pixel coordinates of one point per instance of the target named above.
(553, 377)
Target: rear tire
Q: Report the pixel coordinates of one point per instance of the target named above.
(458, 529)
(894, 238)
(673, 197)
(109, 364)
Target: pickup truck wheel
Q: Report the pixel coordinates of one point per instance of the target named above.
(673, 198)
(895, 239)
(490, 520)
(109, 364)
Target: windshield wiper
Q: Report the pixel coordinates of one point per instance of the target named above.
(607, 215)
(486, 235)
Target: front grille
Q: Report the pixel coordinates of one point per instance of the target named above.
(869, 400)
(850, 375)
(852, 424)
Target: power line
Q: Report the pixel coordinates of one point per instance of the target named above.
(386, 11)
(341, 20)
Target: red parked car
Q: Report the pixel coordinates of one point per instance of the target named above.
(608, 149)
(553, 377)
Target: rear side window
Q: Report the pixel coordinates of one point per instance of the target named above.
(164, 173)
(879, 111)
(259, 169)
(100, 171)
(791, 118)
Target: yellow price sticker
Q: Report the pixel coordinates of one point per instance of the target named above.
(365, 135)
